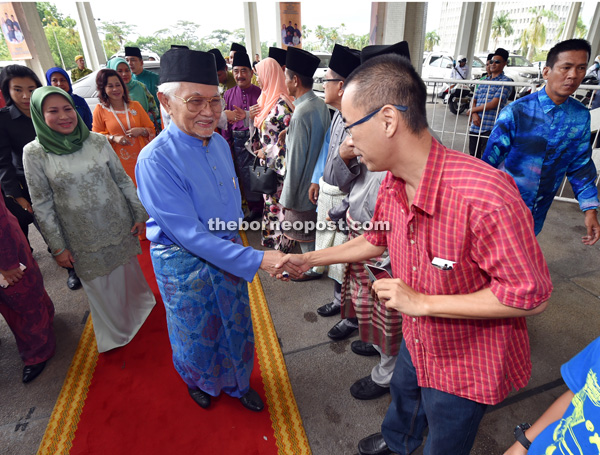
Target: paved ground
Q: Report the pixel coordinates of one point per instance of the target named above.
(322, 371)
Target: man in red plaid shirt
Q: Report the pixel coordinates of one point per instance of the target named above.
(466, 264)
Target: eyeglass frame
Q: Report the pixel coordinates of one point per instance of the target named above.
(207, 99)
(497, 62)
(331, 80)
(368, 117)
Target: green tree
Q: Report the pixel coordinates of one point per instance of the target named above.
(431, 39)
(501, 26)
(4, 54)
(536, 31)
(115, 35)
(64, 44)
(580, 29)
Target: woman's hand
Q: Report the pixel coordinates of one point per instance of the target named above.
(24, 203)
(121, 140)
(65, 259)
(12, 276)
(261, 154)
(138, 229)
(281, 138)
(254, 111)
(137, 131)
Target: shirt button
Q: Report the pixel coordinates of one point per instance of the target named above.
(221, 183)
(412, 242)
(215, 168)
(414, 269)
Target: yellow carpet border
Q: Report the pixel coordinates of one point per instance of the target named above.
(285, 418)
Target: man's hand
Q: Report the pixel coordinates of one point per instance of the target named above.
(12, 276)
(397, 295)
(313, 193)
(474, 118)
(592, 226)
(24, 203)
(346, 150)
(516, 449)
(138, 229)
(65, 259)
(294, 264)
(281, 138)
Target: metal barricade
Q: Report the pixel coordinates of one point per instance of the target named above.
(454, 129)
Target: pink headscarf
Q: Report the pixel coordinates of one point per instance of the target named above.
(273, 85)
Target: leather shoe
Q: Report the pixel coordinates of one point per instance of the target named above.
(366, 389)
(30, 372)
(329, 309)
(252, 401)
(363, 348)
(342, 330)
(373, 445)
(73, 281)
(308, 276)
(201, 398)
(252, 216)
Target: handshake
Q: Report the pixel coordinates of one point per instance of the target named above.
(284, 266)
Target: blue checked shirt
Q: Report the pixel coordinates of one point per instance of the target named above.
(486, 93)
(537, 143)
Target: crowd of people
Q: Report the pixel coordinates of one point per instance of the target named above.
(441, 293)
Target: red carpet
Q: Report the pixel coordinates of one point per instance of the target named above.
(137, 403)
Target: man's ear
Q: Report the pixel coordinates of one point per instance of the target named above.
(545, 72)
(164, 101)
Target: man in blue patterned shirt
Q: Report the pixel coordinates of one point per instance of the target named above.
(544, 136)
(487, 102)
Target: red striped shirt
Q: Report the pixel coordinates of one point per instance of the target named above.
(469, 213)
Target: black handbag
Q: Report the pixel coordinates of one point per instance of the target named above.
(263, 179)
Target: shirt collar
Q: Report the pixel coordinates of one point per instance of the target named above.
(15, 112)
(306, 97)
(191, 141)
(497, 77)
(427, 193)
(546, 103)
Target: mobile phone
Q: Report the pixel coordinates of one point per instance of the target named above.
(377, 273)
(3, 282)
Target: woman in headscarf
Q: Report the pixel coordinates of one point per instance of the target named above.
(137, 90)
(123, 121)
(58, 77)
(16, 130)
(274, 113)
(89, 213)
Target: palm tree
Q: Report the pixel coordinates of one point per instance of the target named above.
(431, 39)
(580, 29)
(536, 32)
(501, 26)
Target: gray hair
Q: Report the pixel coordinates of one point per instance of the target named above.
(169, 88)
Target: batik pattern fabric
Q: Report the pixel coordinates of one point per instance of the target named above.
(376, 324)
(266, 138)
(25, 306)
(208, 319)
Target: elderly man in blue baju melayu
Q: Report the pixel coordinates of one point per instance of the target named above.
(187, 183)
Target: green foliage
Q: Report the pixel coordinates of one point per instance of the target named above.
(327, 37)
(69, 42)
(535, 34)
(580, 29)
(4, 54)
(49, 15)
(501, 26)
(431, 39)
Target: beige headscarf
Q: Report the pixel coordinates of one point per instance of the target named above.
(273, 85)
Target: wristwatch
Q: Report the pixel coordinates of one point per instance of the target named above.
(520, 434)
(111, 138)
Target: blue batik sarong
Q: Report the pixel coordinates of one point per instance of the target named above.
(209, 321)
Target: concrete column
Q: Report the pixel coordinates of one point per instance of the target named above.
(485, 27)
(467, 31)
(571, 22)
(252, 34)
(90, 41)
(33, 32)
(398, 21)
(594, 33)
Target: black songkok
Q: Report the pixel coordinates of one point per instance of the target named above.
(241, 59)
(133, 52)
(221, 63)
(344, 60)
(502, 53)
(301, 61)
(278, 54)
(237, 47)
(178, 46)
(184, 65)
(400, 48)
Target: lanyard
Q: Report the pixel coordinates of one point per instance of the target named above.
(118, 120)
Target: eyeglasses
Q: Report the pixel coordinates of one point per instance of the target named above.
(368, 117)
(196, 104)
(496, 61)
(331, 80)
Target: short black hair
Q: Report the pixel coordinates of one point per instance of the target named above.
(305, 81)
(9, 73)
(575, 44)
(489, 57)
(102, 80)
(502, 53)
(391, 79)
